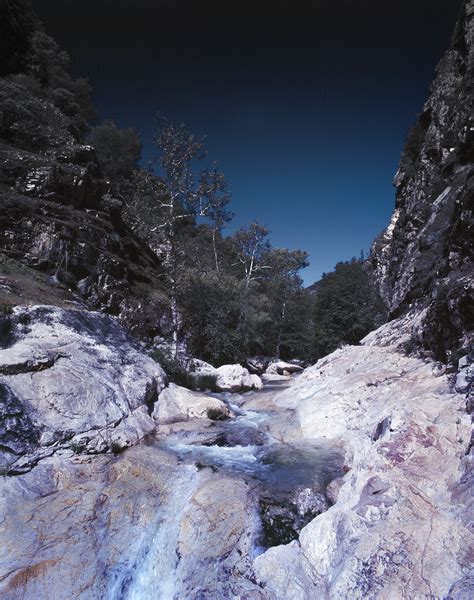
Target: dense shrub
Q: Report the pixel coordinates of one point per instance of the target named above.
(17, 23)
(118, 150)
(29, 121)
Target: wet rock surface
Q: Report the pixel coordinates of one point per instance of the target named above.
(164, 519)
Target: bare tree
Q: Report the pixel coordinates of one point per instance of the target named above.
(168, 195)
(250, 245)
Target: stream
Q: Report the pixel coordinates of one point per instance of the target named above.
(257, 491)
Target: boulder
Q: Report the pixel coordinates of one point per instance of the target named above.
(68, 377)
(177, 403)
(257, 383)
(235, 378)
(200, 367)
(279, 367)
(257, 364)
(273, 377)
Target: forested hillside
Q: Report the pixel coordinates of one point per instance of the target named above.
(147, 243)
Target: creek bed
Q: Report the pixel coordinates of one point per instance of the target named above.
(290, 480)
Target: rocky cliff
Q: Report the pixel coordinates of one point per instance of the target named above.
(53, 220)
(423, 260)
(55, 214)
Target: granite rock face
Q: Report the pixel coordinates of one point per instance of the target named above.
(137, 525)
(424, 258)
(71, 378)
(399, 525)
(86, 250)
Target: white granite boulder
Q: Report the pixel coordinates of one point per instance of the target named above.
(69, 373)
(177, 403)
(281, 367)
(235, 378)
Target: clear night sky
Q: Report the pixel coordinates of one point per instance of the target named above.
(305, 105)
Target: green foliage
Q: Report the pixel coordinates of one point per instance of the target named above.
(296, 333)
(6, 325)
(41, 105)
(118, 150)
(282, 286)
(29, 121)
(17, 22)
(116, 447)
(346, 308)
(211, 311)
(171, 366)
(5, 310)
(203, 381)
(48, 65)
(76, 447)
(216, 414)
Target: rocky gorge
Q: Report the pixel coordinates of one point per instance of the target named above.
(221, 497)
(351, 478)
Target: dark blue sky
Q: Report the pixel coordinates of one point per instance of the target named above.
(305, 104)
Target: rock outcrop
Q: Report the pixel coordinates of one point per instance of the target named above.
(82, 248)
(424, 258)
(74, 379)
(94, 528)
(57, 217)
(399, 527)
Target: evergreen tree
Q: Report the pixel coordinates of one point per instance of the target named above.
(346, 307)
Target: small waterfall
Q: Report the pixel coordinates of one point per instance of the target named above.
(287, 484)
(152, 575)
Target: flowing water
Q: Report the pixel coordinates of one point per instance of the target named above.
(286, 486)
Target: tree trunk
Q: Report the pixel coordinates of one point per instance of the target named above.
(174, 321)
(280, 327)
(214, 248)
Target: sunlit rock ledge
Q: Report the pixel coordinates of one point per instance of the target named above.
(399, 526)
